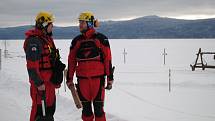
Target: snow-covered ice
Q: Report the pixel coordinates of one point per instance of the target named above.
(141, 87)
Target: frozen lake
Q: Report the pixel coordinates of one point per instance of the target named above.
(141, 87)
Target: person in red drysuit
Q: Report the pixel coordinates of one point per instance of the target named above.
(41, 58)
(90, 59)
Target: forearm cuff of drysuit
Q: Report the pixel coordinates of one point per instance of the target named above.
(35, 77)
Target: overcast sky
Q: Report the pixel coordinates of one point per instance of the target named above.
(23, 12)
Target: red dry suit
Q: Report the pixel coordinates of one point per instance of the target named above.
(37, 47)
(90, 59)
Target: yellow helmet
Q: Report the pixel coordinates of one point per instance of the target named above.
(44, 18)
(86, 16)
(89, 18)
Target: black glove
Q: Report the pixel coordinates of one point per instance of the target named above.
(109, 86)
(110, 79)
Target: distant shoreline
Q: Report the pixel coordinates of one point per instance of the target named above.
(141, 28)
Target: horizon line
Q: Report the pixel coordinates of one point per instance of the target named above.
(183, 17)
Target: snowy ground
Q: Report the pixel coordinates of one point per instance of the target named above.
(140, 92)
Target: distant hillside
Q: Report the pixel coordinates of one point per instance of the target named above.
(144, 27)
